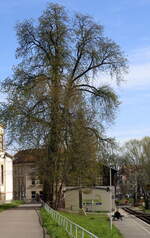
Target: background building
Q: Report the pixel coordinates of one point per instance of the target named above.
(6, 171)
(27, 185)
(26, 181)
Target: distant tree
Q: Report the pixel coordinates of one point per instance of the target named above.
(61, 59)
(136, 154)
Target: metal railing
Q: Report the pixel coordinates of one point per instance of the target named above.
(73, 230)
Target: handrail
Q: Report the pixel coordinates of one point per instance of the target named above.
(74, 230)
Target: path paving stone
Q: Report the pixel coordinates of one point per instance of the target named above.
(21, 222)
(132, 227)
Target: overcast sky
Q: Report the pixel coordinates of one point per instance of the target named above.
(125, 21)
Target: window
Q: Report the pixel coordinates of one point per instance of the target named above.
(41, 194)
(33, 169)
(99, 180)
(2, 174)
(89, 203)
(98, 203)
(33, 181)
(33, 194)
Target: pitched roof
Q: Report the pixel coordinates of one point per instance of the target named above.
(3, 154)
(28, 156)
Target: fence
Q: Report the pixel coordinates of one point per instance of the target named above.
(73, 230)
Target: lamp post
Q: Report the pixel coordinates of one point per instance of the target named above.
(110, 191)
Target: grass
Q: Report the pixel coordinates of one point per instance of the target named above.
(13, 204)
(53, 229)
(146, 210)
(125, 201)
(98, 224)
(142, 209)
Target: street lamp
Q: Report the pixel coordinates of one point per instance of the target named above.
(110, 192)
(109, 189)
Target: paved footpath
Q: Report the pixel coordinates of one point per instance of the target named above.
(132, 227)
(20, 222)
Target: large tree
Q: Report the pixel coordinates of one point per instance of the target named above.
(61, 58)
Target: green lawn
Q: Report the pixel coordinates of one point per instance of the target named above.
(98, 224)
(54, 230)
(10, 205)
(146, 210)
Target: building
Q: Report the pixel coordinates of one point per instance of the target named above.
(6, 171)
(27, 185)
(26, 182)
(97, 198)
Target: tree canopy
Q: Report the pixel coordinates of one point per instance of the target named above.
(61, 57)
(136, 165)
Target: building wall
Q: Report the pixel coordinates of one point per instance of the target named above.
(6, 172)
(26, 182)
(9, 179)
(19, 182)
(72, 200)
(2, 180)
(94, 199)
(6, 186)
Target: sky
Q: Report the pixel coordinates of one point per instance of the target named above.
(127, 22)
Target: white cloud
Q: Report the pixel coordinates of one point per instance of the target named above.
(141, 54)
(138, 76)
(139, 69)
(125, 134)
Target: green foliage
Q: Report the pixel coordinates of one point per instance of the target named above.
(136, 166)
(13, 204)
(54, 230)
(98, 224)
(60, 58)
(82, 152)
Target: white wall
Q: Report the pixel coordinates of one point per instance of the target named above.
(6, 189)
(9, 178)
(102, 200)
